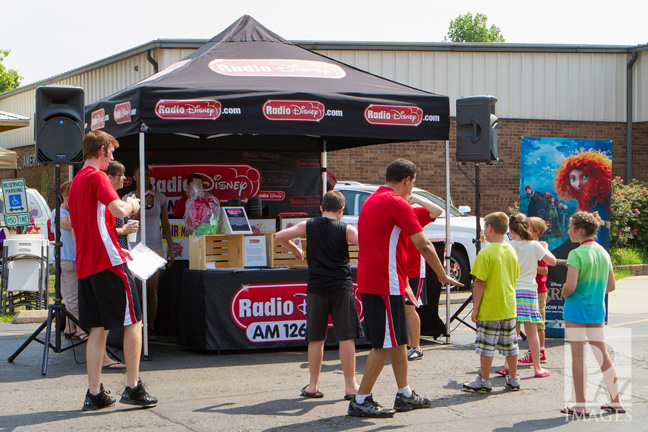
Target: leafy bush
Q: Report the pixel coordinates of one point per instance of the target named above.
(514, 209)
(629, 206)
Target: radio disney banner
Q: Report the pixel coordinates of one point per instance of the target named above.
(274, 311)
(285, 182)
(237, 310)
(224, 181)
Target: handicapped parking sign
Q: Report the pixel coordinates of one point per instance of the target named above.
(15, 198)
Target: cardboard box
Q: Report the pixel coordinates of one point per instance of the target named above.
(216, 251)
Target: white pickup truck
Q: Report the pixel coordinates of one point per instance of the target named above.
(462, 226)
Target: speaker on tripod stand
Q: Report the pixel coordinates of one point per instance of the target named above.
(58, 129)
(477, 127)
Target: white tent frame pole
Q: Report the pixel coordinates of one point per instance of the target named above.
(448, 244)
(324, 166)
(142, 230)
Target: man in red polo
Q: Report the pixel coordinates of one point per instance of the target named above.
(385, 224)
(107, 293)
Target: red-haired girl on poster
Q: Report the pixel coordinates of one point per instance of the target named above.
(587, 177)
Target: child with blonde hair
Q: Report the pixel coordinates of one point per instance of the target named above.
(537, 227)
(529, 252)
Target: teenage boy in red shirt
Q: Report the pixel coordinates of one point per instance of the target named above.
(386, 221)
(107, 294)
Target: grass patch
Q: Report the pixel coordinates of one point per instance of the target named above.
(622, 273)
(628, 256)
(6, 318)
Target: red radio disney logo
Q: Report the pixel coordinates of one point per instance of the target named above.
(274, 312)
(122, 113)
(224, 181)
(394, 115)
(276, 68)
(272, 195)
(98, 119)
(268, 302)
(296, 110)
(306, 201)
(194, 109)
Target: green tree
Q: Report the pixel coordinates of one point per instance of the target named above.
(466, 28)
(9, 79)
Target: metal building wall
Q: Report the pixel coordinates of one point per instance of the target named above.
(548, 86)
(640, 88)
(97, 83)
(582, 86)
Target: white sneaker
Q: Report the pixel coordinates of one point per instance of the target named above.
(513, 383)
(478, 385)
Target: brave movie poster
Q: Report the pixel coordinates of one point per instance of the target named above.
(559, 176)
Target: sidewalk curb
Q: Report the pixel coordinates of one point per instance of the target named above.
(635, 269)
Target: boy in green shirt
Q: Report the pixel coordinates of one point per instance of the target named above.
(496, 269)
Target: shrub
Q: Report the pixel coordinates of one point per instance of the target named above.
(628, 256)
(514, 208)
(629, 207)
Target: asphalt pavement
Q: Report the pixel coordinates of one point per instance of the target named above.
(259, 390)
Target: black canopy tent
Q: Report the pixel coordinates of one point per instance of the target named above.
(250, 89)
(248, 85)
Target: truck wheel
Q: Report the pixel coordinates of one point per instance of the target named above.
(460, 267)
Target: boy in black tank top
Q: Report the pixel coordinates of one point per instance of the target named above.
(330, 289)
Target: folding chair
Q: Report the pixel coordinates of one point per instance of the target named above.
(24, 272)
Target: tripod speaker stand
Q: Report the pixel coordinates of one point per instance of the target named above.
(477, 241)
(56, 311)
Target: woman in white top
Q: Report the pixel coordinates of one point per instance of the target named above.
(529, 253)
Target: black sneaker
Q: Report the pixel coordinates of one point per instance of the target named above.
(137, 396)
(369, 409)
(98, 401)
(402, 403)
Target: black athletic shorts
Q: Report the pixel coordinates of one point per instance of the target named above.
(418, 286)
(109, 299)
(384, 320)
(341, 306)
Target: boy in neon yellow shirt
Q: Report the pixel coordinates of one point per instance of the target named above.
(496, 269)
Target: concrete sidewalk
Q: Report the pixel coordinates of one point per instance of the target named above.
(259, 390)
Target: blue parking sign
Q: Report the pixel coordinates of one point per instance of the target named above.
(15, 200)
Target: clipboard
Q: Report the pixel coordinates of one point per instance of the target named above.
(144, 262)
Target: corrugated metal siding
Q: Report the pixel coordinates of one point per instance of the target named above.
(542, 85)
(640, 90)
(551, 86)
(97, 83)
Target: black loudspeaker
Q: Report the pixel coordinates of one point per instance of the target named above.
(59, 124)
(477, 129)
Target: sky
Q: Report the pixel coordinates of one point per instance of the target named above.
(48, 37)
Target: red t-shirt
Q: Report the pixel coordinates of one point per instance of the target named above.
(541, 280)
(415, 262)
(386, 221)
(97, 248)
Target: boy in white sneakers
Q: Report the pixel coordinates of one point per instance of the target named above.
(494, 309)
